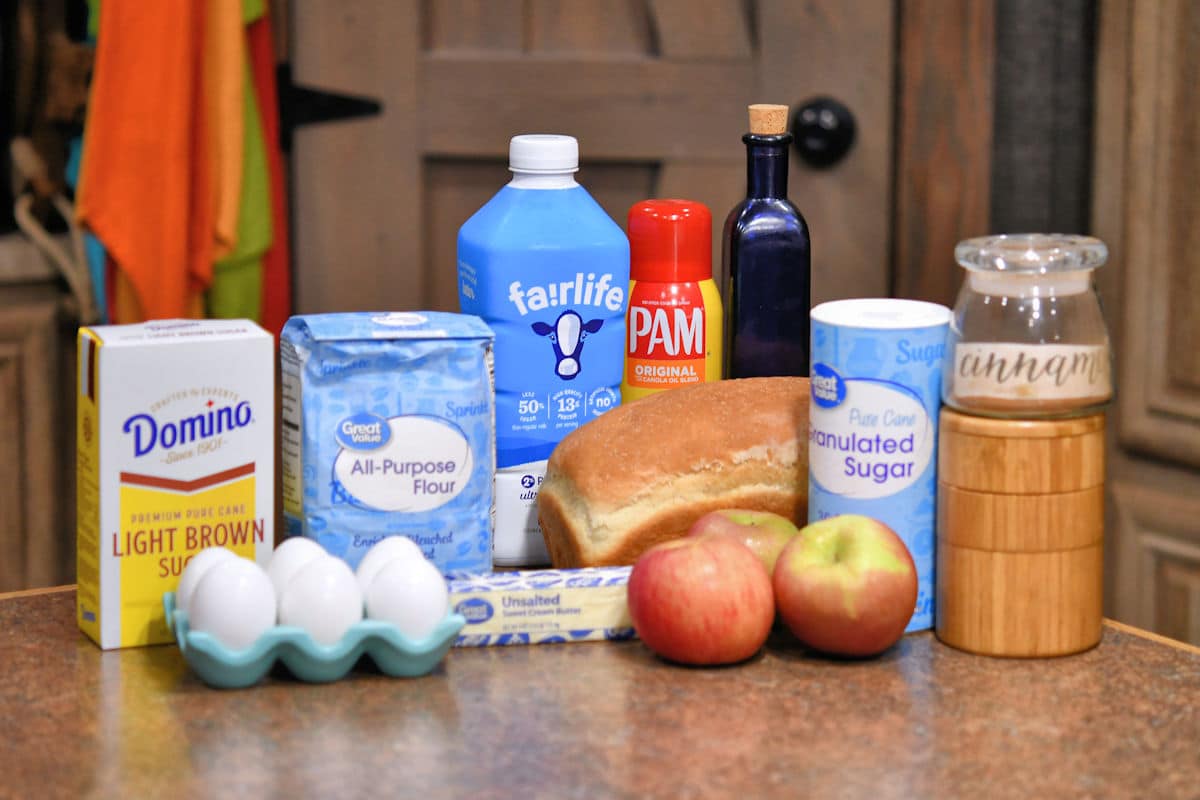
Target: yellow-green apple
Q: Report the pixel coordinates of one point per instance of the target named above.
(846, 585)
(701, 600)
(765, 533)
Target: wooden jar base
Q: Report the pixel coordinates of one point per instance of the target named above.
(1020, 526)
(1019, 604)
(1020, 523)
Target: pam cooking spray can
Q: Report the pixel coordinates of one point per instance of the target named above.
(673, 330)
(872, 445)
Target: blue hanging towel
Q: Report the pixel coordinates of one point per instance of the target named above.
(93, 247)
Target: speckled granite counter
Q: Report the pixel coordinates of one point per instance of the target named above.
(598, 720)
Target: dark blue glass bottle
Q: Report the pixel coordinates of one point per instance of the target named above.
(767, 290)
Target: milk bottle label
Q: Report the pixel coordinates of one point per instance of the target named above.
(558, 365)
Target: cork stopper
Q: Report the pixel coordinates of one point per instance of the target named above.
(768, 120)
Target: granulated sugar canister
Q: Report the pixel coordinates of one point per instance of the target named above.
(1021, 456)
(876, 388)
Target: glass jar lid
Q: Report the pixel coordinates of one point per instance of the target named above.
(1031, 253)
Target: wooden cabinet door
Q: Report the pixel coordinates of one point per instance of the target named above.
(1147, 159)
(37, 501)
(655, 90)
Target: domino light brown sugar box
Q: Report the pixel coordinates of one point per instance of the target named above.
(175, 431)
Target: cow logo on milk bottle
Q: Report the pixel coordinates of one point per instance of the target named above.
(547, 268)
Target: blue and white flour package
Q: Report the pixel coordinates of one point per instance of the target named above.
(876, 382)
(389, 428)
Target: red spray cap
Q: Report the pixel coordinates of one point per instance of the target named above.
(670, 241)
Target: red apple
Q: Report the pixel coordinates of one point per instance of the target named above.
(846, 585)
(765, 533)
(701, 600)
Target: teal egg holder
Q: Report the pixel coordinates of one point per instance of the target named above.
(392, 652)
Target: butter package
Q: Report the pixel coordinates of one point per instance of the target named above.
(542, 606)
(175, 431)
(388, 428)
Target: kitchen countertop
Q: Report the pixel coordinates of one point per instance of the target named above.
(599, 719)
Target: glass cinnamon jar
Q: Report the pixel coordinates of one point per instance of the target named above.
(1028, 339)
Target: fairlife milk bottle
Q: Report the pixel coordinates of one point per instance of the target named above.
(548, 270)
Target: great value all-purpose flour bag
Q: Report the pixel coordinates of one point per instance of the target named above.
(389, 428)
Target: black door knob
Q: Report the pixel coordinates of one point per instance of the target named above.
(824, 131)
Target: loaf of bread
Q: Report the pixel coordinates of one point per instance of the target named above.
(644, 472)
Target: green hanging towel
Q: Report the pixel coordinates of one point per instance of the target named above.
(236, 290)
(252, 10)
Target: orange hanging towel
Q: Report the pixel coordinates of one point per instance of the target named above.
(145, 188)
(225, 99)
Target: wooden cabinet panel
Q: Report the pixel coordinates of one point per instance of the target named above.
(1147, 165)
(711, 28)
(844, 49)
(1178, 602)
(467, 25)
(358, 222)
(1155, 558)
(642, 108)
(944, 143)
(36, 498)
(1152, 223)
(655, 91)
(12, 495)
(607, 27)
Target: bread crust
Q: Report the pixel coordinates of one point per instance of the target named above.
(644, 472)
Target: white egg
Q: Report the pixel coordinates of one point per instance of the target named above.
(323, 598)
(197, 566)
(411, 594)
(234, 602)
(382, 553)
(289, 557)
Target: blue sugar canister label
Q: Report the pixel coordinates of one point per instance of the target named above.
(876, 382)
